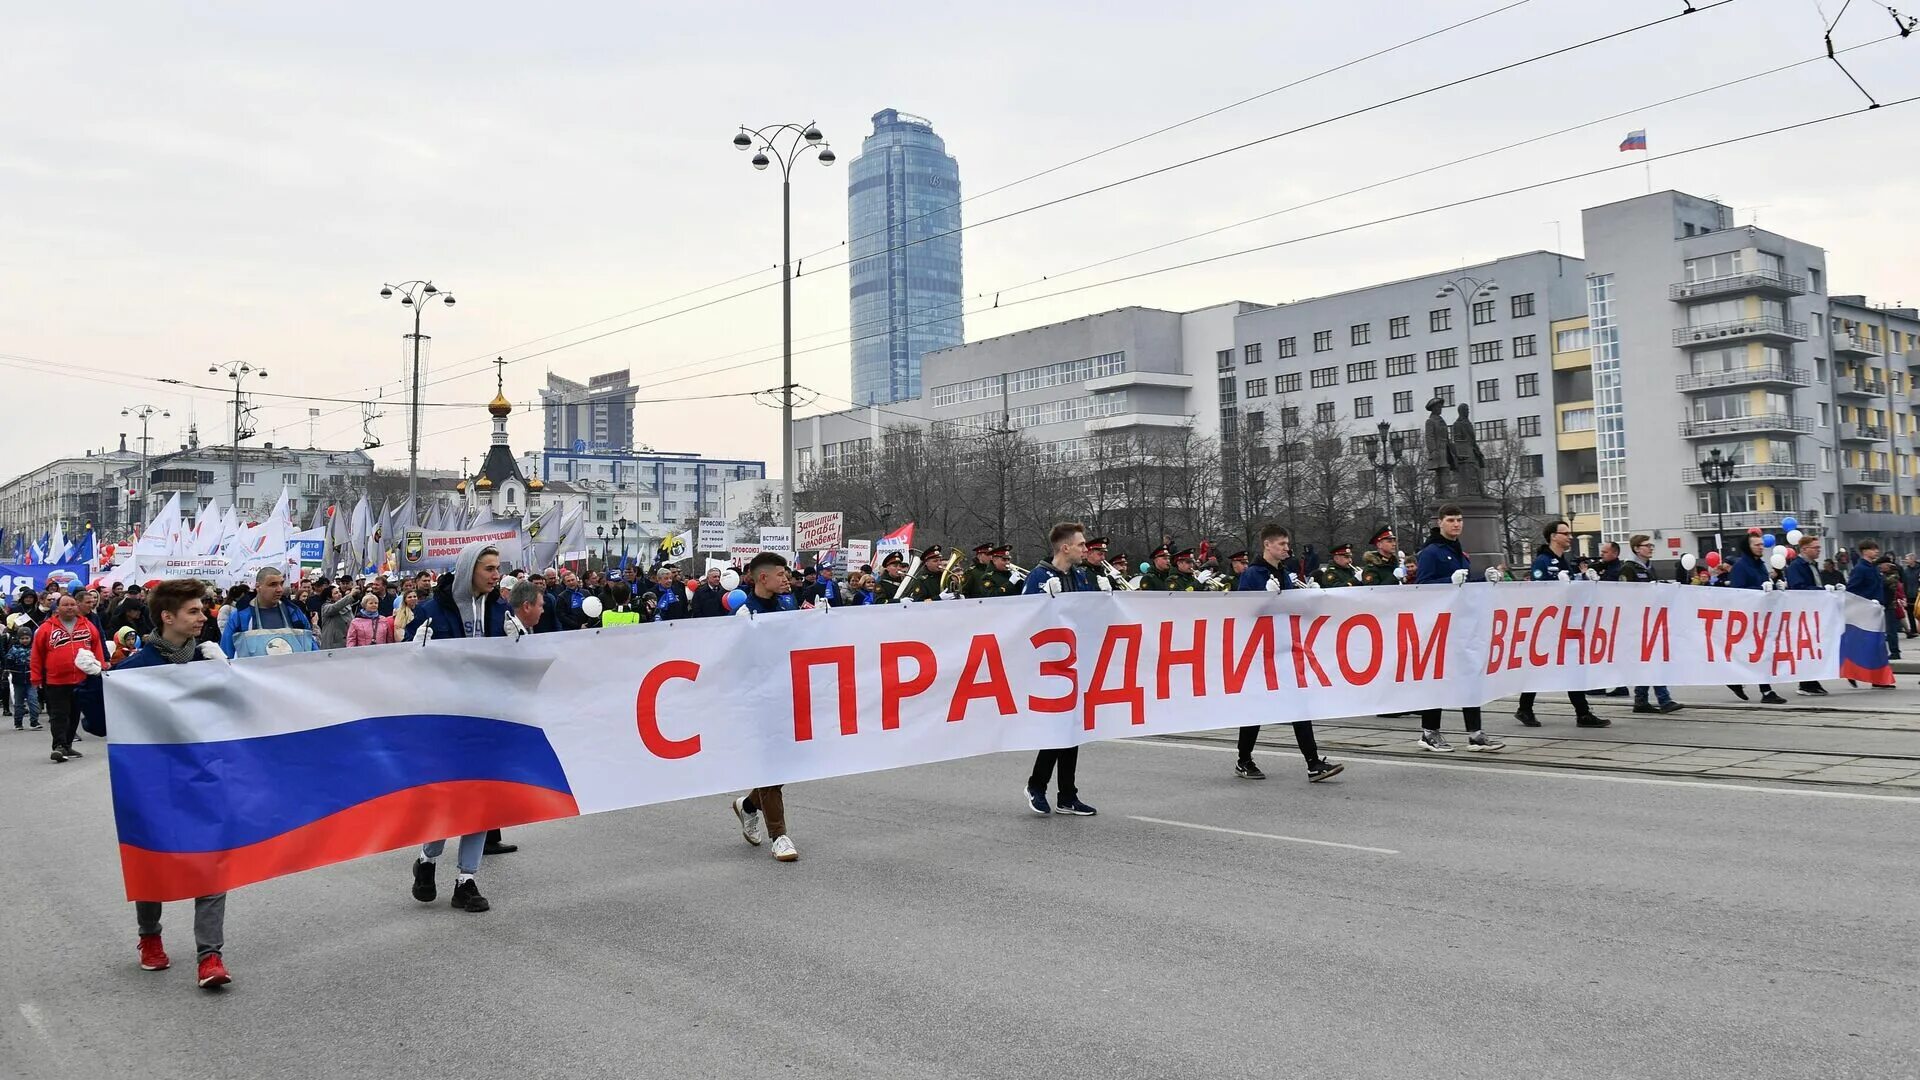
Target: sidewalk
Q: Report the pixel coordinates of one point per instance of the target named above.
(1860, 737)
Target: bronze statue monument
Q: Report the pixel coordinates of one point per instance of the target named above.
(1441, 460)
(1469, 462)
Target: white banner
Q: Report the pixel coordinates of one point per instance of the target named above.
(817, 532)
(467, 734)
(858, 553)
(426, 549)
(779, 539)
(714, 534)
(742, 554)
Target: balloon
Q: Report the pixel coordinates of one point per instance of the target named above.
(729, 579)
(1767, 540)
(1789, 524)
(1713, 558)
(1794, 536)
(1688, 561)
(590, 607)
(1779, 559)
(735, 598)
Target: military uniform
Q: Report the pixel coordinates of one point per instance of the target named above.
(1237, 564)
(973, 582)
(1183, 580)
(994, 581)
(1376, 568)
(926, 584)
(1154, 579)
(1335, 576)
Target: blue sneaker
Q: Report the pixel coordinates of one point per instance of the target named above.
(1071, 804)
(1037, 802)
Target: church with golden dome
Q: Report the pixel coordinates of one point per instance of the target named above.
(500, 490)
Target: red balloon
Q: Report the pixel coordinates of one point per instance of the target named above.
(1713, 558)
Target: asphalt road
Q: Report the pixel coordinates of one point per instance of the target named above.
(1505, 923)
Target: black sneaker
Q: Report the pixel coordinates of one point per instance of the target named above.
(1739, 692)
(1591, 720)
(1771, 698)
(466, 897)
(34, 724)
(1322, 770)
(501, 847)
(424, 889)
(1247, 770)
(1526, 718)
(71, 752)
(1671, 706)
(1071, 805)
(1618, 691)
(57, 757)
(1645, 708)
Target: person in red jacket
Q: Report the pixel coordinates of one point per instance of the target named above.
(66, 650)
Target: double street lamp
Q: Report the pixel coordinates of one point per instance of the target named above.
(237, 370)
(1385, 451)
(415, 295)
(144, 413)
(1718, 473)
(1469, 290)
(784, 145)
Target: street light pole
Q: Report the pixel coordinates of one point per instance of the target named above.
(1384, 450)
(1718, 473)
(414, 294)
(237, 370)
(1468, 289)
(785, 144)
(144, 412)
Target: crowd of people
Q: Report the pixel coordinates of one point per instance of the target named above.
(61, 640)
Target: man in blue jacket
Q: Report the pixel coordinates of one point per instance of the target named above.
(466, 603)
(1064, 572)
(1803, 577)
(181, 612)
(253, 629)
(1550, 564)
(1443, 562)
(1268, 574)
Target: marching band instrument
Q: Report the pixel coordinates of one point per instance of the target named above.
(1120, 582)
(1015, 572)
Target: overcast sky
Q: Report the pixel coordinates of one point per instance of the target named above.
(182, 185)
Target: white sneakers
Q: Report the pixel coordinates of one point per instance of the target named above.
(749, 822)
(783, 849)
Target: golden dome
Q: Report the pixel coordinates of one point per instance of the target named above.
(483, 483)
(500, 406)
(461, 487)
(536, 484)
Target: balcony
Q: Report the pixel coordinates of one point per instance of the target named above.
(1855, 432)
(1769, 282)
(1866, 477)
(1755, 472)
(1747, 519)
(1757, 328)
(1875, 521)
(1845, 344)
(1738, 425)
(1859, 386)
(1764, 375)
(1135, 420)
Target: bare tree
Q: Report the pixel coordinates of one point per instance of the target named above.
(1511, 481)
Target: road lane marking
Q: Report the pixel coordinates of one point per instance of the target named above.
(1261, 835)
(1559, 774)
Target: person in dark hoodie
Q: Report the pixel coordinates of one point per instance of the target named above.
(181, 610)
(1750, 572)
(1802, 577)
(1268, 574)
(466, 603)
(1443, 562)
(1550, 565)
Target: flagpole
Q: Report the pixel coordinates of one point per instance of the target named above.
(1647, 156)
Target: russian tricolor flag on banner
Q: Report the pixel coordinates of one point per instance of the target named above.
(1863, 644)
(1635, 140)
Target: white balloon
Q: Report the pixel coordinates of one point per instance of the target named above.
(1687, 562)
(1795, 537)
(1779, 558)
(729, 579)
(590, 607)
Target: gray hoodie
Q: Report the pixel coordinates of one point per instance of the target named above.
(472, 607)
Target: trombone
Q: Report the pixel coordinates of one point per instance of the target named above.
(1119, 582)
(1214, 580)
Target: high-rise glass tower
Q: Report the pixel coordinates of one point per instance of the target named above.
(903, 221)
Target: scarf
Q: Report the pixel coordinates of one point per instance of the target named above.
(170, 654)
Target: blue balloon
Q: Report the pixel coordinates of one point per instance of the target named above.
(736, 598)
(1767, 540)
(1789, 524)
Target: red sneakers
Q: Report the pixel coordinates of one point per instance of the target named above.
(213, 972)
(153, 955)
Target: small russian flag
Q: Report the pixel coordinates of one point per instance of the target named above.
(1863, 643)
(1635, 140)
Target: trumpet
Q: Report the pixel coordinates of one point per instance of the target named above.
(1217, 582)
(1016, 572)
(1119, 582)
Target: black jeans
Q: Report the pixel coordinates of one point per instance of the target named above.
(1430, 719)
(63, 714)
(1047, 762)
(1302, 734)
(1578, 697)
